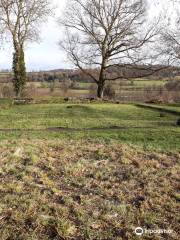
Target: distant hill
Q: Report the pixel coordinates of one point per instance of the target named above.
(77, 75)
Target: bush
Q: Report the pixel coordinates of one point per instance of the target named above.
(109, 91)
(65, 85)
(51, 86)
(29, 91)
(173, 85)
(74, 85)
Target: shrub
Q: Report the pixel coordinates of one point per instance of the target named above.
(74, 85)
(173, 85)
(29, 91)
(52, 86)
(65, 85)
(109, 91)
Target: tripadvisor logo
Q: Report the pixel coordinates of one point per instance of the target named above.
(140, 231)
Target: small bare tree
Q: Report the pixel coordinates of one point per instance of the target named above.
(170, 33)
(106, 36)
(21, 19)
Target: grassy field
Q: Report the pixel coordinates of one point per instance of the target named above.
(88, 172)
(125, 91)
(136, 83)
(81, 116)
(119, 122)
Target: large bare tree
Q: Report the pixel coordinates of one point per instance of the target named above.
(106, 36)
(21, 19)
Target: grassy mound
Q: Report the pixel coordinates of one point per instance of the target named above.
(86, 190)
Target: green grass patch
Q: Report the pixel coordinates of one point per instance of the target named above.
(148, 83)
(122, 123)
(81, 116)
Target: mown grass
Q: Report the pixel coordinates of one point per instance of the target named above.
(123, 123)
(53, 190)
(81, 116)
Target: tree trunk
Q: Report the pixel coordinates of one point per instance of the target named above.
(101, 82)
(100, 90)
(19, 70)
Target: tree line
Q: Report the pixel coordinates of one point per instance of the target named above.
(105, 39)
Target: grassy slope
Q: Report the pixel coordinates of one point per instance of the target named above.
(86, 190)
(142, 126)
(174, 107)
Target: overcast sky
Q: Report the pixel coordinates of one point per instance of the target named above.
(43, 55)
(46, 54)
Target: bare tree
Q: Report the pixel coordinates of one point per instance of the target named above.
(105, 36)
(21, 19)
(170, 33)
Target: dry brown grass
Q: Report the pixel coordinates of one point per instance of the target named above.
(86, 190)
